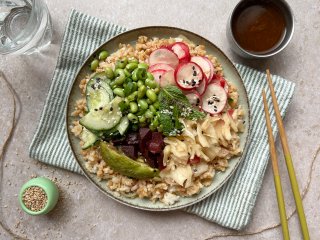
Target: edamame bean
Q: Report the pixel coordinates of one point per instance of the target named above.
(128, 89)
(160, 128)
(131, 66)
(133, 107)
(133, 60)
(151, 95)
(121, 63)
(142, 91)
(94, 65)
(142, 119)
(156, 105)
(151, 83)
(155, 122)
(149, 101)
(140, 83)
(135, 86)
(152, 109)
(109, 72)
(143, 65)
(103, 55)
(139, 74)
(150, 76)
(119, 92)
(143, 105)
(127, 73)
(157, 90)
(133, 96)
(132, 118)
(148, 114)
(120, 77)
(152, 127)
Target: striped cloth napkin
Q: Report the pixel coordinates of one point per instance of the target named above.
(232, 205)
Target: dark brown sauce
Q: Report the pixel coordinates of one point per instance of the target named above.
(259, 26)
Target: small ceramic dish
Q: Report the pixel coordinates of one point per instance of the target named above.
(49, 188)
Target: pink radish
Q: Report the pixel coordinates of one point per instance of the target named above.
(214, 99)
(163, 55)
(188, 75)
(212, 69)
(194, 98)
(204, 64)
(217, 79)
(160, 66)
(167, 79)
(182, 51)
(203, 86)
(157, 74)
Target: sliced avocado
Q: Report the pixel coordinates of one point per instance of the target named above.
(125, 165)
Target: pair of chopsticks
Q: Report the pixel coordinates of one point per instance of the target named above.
(287, 156)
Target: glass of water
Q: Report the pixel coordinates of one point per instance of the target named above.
(25, 26)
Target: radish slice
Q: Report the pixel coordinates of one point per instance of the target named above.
(158, 75)
(188, 75)
(203, 86)
(163, 55)
(194, 98)
(217, 79)
(212, 69)
(214, 99)
(160, 66)
(182, 51)
(167, 79)
(204, 64)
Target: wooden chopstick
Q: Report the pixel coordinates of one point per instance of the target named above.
(276, 176)
(288, 159)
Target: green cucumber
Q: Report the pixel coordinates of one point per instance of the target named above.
(88, 138)
(123, 125)
(98, 91)
(104, 118)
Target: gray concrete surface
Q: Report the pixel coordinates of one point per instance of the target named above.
(84, 212)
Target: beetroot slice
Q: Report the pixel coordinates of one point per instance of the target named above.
(182, 51)
(163, 55)
(188, 75)
(160, 66)
(157, 74)
(214, 99)
(131, 151)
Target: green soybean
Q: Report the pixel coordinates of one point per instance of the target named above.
(151, 95)
(128, 89)
(133, 60)
(151, 83)
(152, 127)
(142, 91)
(109, 72)
(133, 107)
(135, 86)
(140, 83)
(94, 65)
(153, 109)
(120, 77)
(142, 119)
(143, 65)
(131, 66)
(150, 76)
(103, 55)
(139, 74)
(132, 118)
(156, 105)
(148, 114)
(149, 101)
(122, 63)
(133, 96)
(143, 105)
(155, 122)
(157, 90)
(127, 73)
(119, 92)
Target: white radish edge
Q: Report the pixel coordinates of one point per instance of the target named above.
(222, 98)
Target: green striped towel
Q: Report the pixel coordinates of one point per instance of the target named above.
(232, 205)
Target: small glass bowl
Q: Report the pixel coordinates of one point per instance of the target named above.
(50, 189)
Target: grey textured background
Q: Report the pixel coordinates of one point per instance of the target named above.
(84, 212)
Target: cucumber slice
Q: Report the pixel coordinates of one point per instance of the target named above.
(103, 118)
(88, 138)
(123, 125)
(98, 91)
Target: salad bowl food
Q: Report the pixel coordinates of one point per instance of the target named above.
(158, 118)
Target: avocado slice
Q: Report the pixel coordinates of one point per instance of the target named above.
(125, 165)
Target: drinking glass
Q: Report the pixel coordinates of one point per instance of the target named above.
(25, 26)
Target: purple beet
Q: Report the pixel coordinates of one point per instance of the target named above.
(131, 151)
(151, 160)
(132, 138)
(145, 135)
(156, 144)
